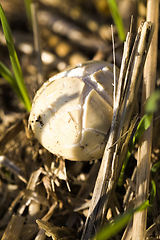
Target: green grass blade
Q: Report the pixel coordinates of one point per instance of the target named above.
(153, 192)
(142, 127)
(152, 196)
(155, 167)
(118, 224)
(122, 173)
(27, 4)
(117, 18)
(7, 75)
(14, 60)
(150, 109)
(151, 105)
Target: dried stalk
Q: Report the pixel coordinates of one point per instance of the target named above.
(37, 44)
(111, 163)
(144, 151)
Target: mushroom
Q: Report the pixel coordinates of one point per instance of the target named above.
(72, 112)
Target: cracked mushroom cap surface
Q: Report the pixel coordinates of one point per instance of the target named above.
(72, 112)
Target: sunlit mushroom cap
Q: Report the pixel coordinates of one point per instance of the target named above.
(72, 112)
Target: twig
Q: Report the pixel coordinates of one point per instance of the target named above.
(144, 151)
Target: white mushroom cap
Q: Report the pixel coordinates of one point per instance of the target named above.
(69, 117)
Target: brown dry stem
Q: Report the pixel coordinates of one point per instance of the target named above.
(14, 228)
(37, 44)
(144, 151)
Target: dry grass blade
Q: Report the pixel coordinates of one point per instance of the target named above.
(41, 233)
(144, 151)
(153, 227)
(111, 162)
(56, 232)
(36, 32)
(14, 228)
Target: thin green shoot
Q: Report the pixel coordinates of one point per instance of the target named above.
(18, 77)
(153, 192)
(27, 4)
(151, 105)
(155, 167)
(119, 223)
(151, 198)
(7, 75)
(117, 19)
